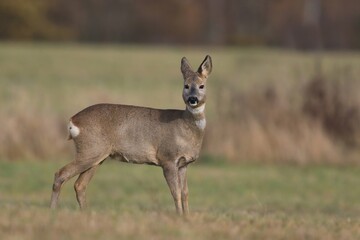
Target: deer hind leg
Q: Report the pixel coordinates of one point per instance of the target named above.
(70, 170)
(63, 175)
(81, 185)
(184, 190)
(172, 178)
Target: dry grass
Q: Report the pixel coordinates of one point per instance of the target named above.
(314, 122)
(264, 105)
(130, 201)
(30, 131)
(41, 224)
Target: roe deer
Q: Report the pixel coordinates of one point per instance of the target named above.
(170, 139)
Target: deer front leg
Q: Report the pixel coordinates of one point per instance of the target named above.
(184, 190)
(81, 184)
(172, 178)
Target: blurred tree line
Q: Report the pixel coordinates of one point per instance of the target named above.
(296, 23)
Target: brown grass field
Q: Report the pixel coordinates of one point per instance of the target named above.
(264, 105)
(280, 158)
(130, 201)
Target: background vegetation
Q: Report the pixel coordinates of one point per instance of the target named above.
(265, 105)
(303, 24)
(280, 159)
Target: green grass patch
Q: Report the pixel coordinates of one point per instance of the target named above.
(227, 202)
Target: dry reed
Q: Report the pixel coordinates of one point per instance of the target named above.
(317, 122)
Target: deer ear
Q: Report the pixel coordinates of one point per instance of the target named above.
(205, 67)
(186, 68)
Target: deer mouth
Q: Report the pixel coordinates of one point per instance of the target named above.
(193, 101)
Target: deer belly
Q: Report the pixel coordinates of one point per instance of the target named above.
(140, 156)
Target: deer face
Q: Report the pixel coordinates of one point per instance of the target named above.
(194, 92)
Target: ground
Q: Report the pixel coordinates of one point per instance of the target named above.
(227, 202)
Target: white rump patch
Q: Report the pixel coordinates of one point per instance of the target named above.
(201, 124)
(73, 130)
(197, 110)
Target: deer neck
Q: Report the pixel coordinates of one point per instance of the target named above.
(196, 116)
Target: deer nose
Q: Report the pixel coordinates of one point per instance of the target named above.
(193, 100)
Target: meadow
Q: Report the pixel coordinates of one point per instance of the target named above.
(280, 158)
(262, 103)
(129, 201)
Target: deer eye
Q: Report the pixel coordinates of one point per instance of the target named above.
(186, 86)
(201, 86)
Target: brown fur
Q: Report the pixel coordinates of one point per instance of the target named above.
(170, 139)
